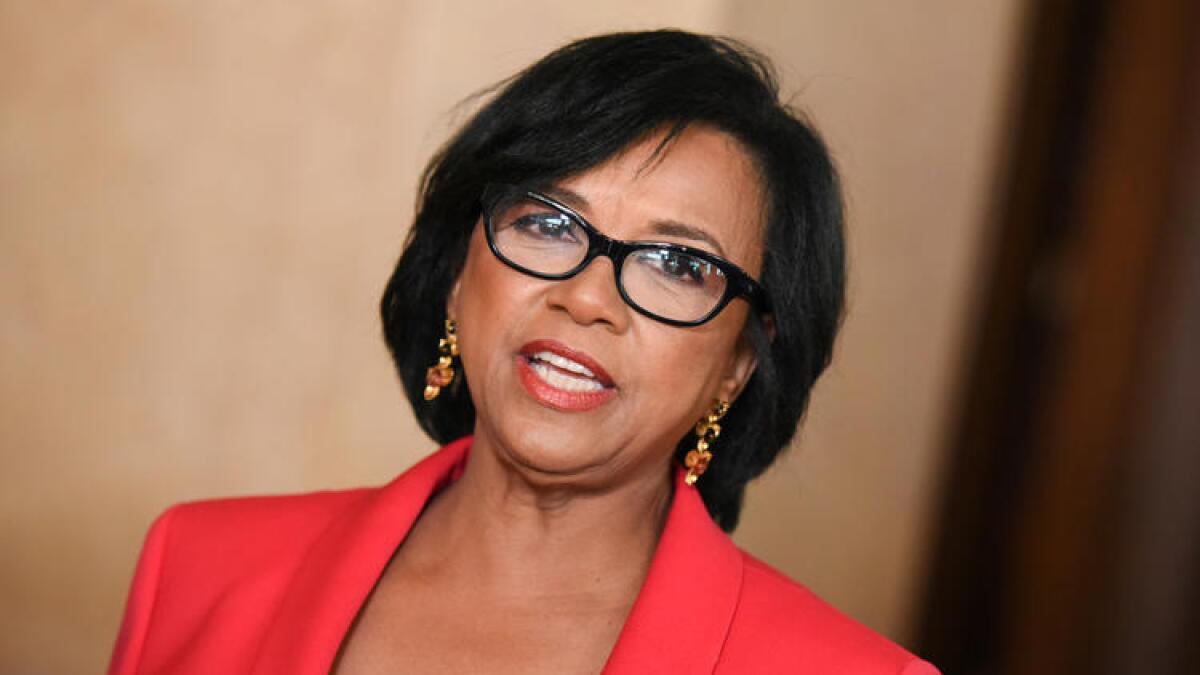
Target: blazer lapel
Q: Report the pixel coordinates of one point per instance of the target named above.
(678, 622)
(681, 616)
(344, 564)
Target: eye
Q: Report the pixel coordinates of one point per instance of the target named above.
(547, 225)
(681, 267)
(533, 221)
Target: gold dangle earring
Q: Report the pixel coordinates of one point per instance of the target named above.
(442, 374)
(707, 430)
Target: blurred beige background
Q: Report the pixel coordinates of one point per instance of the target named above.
(200, 203)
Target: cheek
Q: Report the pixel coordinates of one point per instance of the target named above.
(681, 375)
(490, 300)
(685, 366)
(485, 285)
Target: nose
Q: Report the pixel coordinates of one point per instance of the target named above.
(591, 297)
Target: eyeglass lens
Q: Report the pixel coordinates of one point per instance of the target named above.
(661, 280)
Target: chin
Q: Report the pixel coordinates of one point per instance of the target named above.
(554, 454)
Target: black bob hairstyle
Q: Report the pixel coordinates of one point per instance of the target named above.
(581, 105)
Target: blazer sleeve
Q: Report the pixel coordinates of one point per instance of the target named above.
(139, 607)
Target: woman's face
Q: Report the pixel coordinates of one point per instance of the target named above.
(522, 339)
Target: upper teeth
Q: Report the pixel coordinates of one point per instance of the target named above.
(563, 362)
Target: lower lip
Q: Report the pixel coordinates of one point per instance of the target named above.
(553, 397)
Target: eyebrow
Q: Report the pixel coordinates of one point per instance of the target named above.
(672, 228)
(667, 228)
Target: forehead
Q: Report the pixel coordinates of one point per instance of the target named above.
(703, 179)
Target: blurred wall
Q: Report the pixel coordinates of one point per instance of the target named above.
(200, 203)
(913, 104)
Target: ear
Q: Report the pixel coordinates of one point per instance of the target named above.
(769, 326)
(741, 367)
(452, 299)
(744, 360)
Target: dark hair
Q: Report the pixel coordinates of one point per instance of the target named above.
(580, 106)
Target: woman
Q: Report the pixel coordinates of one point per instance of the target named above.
(625, 275)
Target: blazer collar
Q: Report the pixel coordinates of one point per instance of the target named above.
(678, 622)
(682, 615)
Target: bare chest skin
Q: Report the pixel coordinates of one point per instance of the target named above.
(417, 623)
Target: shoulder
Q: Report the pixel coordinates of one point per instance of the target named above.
(202, 551)
(782, 626)
(219, 562)
(292, 511)
(237, 530)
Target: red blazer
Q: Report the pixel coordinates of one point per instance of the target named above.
(271, 585)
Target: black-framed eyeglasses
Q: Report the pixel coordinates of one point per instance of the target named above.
(678, 285)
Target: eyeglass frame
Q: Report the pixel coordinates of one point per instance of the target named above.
(739, 283)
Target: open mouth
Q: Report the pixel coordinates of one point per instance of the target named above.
(559, 371)
(563, 378)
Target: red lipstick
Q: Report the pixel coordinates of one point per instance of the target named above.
(563, 378)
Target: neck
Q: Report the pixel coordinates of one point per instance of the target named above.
(501, 532)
